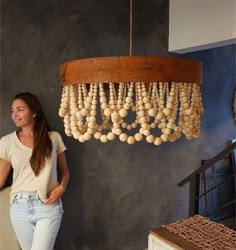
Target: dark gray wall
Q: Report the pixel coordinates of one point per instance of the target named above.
(117, 192)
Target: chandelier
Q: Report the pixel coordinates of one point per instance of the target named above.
(134, 98)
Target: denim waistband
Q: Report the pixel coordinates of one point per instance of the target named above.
(27, 195)
(31, 197)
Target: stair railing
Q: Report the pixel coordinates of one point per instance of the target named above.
(194, 180)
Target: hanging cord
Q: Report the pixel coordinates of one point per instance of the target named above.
(131, 27)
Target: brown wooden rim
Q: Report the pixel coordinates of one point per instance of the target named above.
(131, 69)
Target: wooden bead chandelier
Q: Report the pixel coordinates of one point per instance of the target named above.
(134, 98)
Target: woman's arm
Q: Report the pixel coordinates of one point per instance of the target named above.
(64, 171)
(5, 168)
(58, 191)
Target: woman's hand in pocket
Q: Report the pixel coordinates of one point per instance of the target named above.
(54, 195)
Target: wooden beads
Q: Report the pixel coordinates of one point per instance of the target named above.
(158, 113)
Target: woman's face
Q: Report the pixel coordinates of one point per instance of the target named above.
(21, 115)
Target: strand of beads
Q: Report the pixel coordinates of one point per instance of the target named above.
(69, 119)
(137, 108)
(170, 113)
(64, 109)
(146, 106)
(172, 119)
(79, 116)
(196, 106)
(140, 113)
(160, 118)
(127, 104)
(111, 108)
(73, 110)
(152, 112)
(120, 104)
(90, 105)
(84, 112)
(155, 111)
(103, 106)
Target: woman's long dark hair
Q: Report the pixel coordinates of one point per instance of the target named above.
(42, 144)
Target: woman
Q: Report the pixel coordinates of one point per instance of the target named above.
(34, 152)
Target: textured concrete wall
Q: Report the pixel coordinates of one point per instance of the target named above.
(117, 192)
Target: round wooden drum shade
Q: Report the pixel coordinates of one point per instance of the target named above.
(131, 69)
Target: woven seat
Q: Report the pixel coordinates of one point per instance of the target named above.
(194, 233)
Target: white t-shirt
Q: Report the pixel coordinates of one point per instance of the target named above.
(24, 179)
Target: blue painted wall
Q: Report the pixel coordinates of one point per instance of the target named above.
(117, 192)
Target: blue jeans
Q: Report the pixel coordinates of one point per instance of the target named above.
(36, 225)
